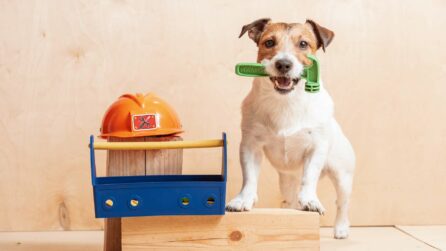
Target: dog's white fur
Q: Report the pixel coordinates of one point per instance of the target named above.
(295, 131)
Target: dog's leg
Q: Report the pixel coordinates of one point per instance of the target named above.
(250, 160)
(340, 169)
(342, 180)
(314, 163)
(288, 187)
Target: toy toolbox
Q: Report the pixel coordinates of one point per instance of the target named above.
(128, 196)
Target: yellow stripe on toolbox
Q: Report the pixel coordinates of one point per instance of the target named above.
(157, 145)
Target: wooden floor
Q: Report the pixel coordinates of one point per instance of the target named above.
(387, 238)
(361, 238)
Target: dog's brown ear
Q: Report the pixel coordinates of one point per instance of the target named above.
(323, 35)
(255, 29)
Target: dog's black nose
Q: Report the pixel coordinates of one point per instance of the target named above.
(283, 65)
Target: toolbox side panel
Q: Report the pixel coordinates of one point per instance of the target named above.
(147, 199)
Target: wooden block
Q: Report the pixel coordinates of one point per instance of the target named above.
(166, 161)
(259, 229)
(126, 163)
(138, 162)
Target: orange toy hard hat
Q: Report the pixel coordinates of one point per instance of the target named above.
(139, 115)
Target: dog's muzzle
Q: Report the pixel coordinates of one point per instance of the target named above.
(284, 84)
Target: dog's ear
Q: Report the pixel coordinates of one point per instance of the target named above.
(323, 35)
(255, 29)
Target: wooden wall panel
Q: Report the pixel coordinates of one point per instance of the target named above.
(63, 62)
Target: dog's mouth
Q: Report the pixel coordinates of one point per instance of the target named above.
(284, 84)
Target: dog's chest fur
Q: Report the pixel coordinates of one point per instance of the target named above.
(289, 125)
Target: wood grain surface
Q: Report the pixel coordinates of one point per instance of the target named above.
(260, 229)
(62, 63)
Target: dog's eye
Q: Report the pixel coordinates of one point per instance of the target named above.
(303, 44)
(269, 43)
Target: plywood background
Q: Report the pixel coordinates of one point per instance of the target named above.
(63, 62)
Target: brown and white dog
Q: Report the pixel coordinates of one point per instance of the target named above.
(295, 129)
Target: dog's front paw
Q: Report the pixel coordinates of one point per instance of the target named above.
(241, 203)
(311, 204)
(341, 232)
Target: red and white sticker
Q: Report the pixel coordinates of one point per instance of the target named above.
(143, 122)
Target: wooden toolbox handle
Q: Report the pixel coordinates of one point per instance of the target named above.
(157, 145)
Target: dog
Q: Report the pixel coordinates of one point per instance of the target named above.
(294, 129)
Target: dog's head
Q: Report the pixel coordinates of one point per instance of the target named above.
(283, 48)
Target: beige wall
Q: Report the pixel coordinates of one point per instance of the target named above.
(63, 62)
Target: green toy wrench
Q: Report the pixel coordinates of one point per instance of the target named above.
(311, 73)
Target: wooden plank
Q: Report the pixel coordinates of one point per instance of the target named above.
(51, 241)
(259, 229)
(371, 239)
(434, 236)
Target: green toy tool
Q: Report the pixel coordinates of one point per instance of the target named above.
(310, 73)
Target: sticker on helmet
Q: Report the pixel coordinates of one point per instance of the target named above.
(142, 122)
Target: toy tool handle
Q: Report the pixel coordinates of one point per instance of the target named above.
(157, 145)
(312, 75)
(250, 70)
